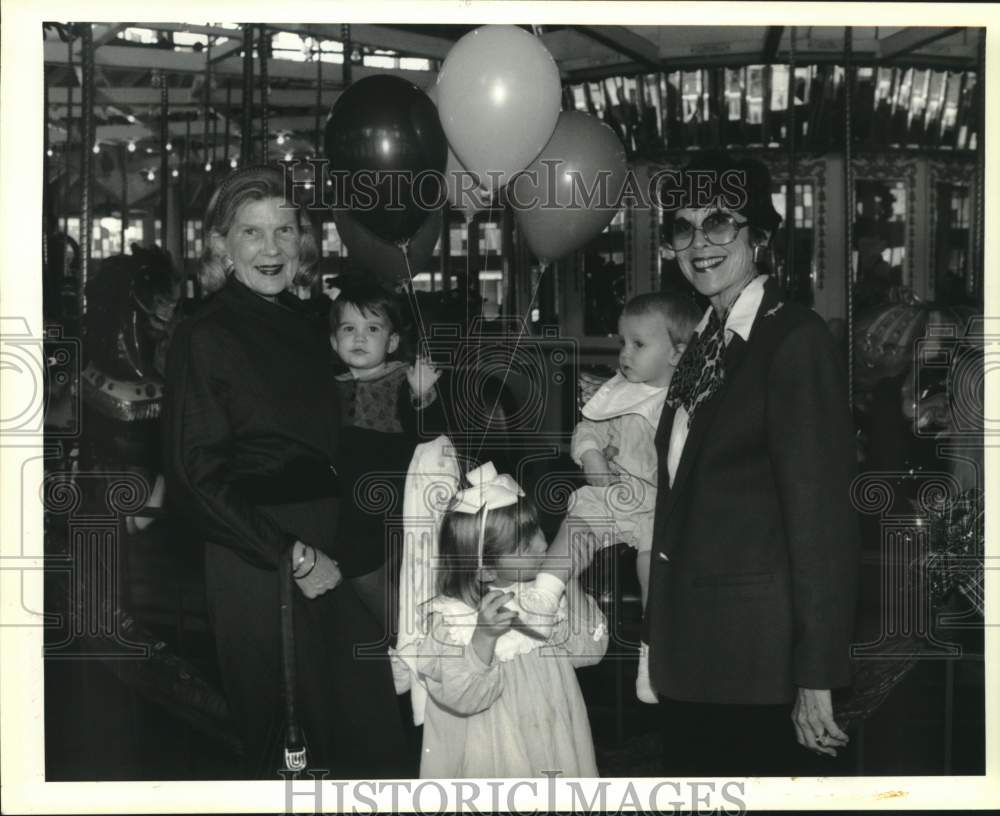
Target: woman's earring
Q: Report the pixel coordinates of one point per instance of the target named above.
(756, 253)
(227, 263)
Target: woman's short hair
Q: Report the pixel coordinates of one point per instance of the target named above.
(713, 175)
(252, 183)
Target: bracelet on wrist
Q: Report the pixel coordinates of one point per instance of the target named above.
(312, 566)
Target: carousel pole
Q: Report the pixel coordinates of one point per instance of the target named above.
(263, 48)
(86, 161)
(345, 36)
(446, 250)
(978, 267)
(229, 117)
(319, 100)
(123, 150)
(849, 211)
(46, 194)
(246, 139)
(164, 159)
(206, 110)
(185, 170)
(69, 124)
(790, 278)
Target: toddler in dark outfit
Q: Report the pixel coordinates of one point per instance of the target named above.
(389, 407)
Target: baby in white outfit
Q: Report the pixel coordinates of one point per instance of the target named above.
(613, 443)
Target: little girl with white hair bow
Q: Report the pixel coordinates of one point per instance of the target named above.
(505, 634)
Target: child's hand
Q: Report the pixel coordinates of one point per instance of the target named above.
(597, 470)
(492, 622)
(422, 376)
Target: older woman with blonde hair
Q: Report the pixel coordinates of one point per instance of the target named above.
(251, 450)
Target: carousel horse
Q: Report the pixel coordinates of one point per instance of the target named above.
(130, 306)
(928, 360)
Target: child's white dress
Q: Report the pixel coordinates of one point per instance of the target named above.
(523, 714)
(623, 415)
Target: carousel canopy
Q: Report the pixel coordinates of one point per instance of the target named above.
(607, 70)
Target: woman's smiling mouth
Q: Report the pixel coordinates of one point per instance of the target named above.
(271, 269)
(705, 264)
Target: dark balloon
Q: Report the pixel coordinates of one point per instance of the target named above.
(383, 132)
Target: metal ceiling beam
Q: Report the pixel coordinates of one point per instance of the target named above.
(910, 39)
(103, 34)
(180, 98)
(108, 33)
(178, 62)
(771, 42)
(227, 49)
(627, 43)
(214, 31)
(392, 39)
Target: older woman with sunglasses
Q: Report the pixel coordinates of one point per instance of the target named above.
(755, 549)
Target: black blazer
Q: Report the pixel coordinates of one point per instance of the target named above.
(754, 573)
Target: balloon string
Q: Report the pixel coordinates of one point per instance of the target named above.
(422, 341)
(412, 297)
(510, 362)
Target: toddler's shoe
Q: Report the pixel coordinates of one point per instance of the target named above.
(643, 686)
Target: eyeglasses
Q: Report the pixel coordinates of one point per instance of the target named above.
(719, 228)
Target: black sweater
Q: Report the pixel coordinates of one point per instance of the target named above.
(251, 425)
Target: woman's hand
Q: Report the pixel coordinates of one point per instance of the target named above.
(422, 376)
(597, 470)
(493, 621)
(324, 576)
(814, 724)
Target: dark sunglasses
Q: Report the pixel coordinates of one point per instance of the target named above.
(719, 228)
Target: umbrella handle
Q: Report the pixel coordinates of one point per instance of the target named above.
(295, 746)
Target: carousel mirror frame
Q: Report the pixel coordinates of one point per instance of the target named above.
(956, 172)
(887, 167)
(808, 170)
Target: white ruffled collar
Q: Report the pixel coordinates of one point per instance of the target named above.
(459, 621)
(618, 397)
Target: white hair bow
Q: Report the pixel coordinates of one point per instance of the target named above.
(488, 490)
